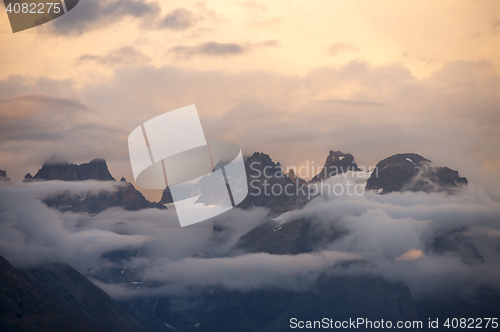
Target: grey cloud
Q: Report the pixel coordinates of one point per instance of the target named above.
(275, 271)
(123, 55)
(179, 19)
(93, 14)
(215, 49)
(36, 127)
(381, 228)
(210, 49)
(31, 233)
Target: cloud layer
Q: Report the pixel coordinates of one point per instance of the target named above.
(393, 235)
(216, 49)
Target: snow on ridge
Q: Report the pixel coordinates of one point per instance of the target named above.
(411, 161)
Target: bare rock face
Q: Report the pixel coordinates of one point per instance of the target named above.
(412, 172)
(56, 297)
(263, 174)
(125, 196)
(269, 187)
(3, 176)
(166, 197)
(336, 163)
(96, 169)
(295, 179)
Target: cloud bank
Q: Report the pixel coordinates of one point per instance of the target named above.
(435, 243)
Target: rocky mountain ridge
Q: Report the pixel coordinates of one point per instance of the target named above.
(3, 176)
(400, 172)
(96, 169)
(336, 163)
(125, 196)
(412, 172)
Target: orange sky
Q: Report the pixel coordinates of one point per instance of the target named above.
(422, 35)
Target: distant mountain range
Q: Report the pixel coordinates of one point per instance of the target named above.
(126, 196)
(52, 297)
(400, 172)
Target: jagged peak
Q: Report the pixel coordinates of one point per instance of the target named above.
(412, 172)
(57, 169)
(262, 158)
(3, 176)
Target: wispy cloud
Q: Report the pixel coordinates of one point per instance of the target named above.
(123, 55)
(93, 14)
(216, 49)
(179, 19)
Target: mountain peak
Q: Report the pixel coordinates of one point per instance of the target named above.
(336, 163)
(261, 157)
(295, 179)
(411, 171)
(3, 176)
(57, 169)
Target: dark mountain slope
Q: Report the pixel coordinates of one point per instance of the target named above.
(3, 176)
(336, 163)
(78, 295)
(126, 196)
(337, 298)
(29, 305)
(96, 169)
(409, 171)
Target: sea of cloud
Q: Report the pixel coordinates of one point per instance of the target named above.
(392, 235)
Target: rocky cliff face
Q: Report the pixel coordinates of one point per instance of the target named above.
(166, 197)
(262, 174)
(295, 179)
(409, 171)
(336, 163)
(55, 297)
(96, 169)
(125, 196)
(291, 238)
(3, 176)
(269, 187)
